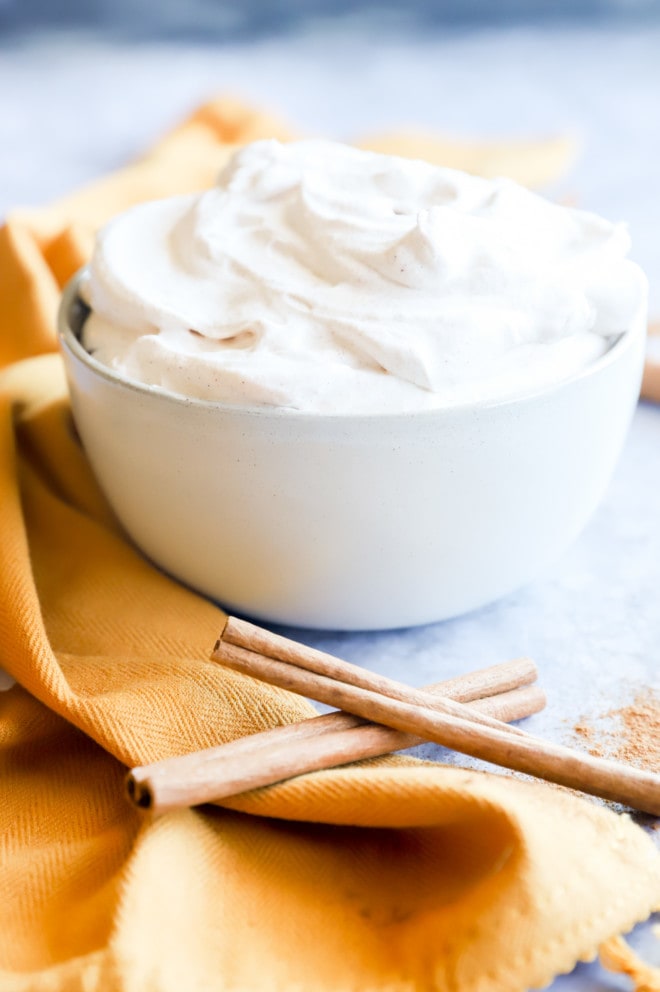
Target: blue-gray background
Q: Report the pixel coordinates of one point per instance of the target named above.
(221, 20)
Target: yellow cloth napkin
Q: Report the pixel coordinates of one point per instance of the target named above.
(397, 875)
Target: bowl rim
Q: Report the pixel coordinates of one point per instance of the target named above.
(69, 338)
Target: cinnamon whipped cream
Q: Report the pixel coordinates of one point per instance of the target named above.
(328, 279)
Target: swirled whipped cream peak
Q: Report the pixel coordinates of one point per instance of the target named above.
(333, 280)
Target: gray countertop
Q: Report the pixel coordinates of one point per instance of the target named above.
(70, 109)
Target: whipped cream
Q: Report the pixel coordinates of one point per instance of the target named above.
(328, 279)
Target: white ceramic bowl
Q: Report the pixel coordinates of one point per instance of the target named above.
(353, 521)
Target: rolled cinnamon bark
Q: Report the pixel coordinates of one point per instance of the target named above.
(320, 742)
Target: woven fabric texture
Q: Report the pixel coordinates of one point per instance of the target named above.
(388, 875)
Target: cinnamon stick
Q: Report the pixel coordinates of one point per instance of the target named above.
(242, 634)
(451, 724)
(320, 742)
(651, 378)
(651, 381)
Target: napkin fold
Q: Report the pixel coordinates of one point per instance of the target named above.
(393, 874)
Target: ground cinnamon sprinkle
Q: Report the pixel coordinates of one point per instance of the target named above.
(588, 738)
(634, 737)
(640, 726)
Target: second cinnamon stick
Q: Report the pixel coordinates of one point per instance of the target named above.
(317, 743)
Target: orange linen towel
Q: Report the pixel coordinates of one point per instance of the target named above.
(395, 876)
